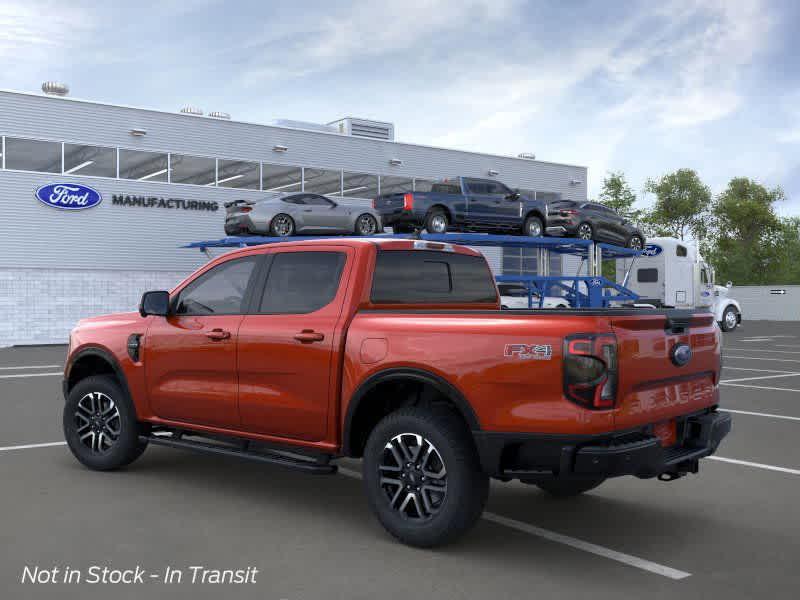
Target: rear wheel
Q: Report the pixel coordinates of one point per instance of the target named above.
(730, 319)
(100, 424)
(533, 227)
(437, 221)
(585, 231)
(422, 476)
(564, 488)
(366, 224)
(282, 225)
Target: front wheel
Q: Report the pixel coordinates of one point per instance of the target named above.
(366, 224)
(533, 227)
(635, 242)
(100, 424)
(422, 476)
(585, 231)
(730, 319)
(564, 488)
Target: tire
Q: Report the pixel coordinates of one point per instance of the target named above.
(564, 488)
(366, 224)
(635, 242)
(584, 231)
(533, 227)
(432, 515)
(730, 319)
(103, 395)
(281, 225)
(437, 221)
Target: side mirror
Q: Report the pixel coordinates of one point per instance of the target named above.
(729, 285)
(154, 303)
(515, 195)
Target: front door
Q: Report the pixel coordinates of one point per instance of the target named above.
(287, 346)
(190, 356)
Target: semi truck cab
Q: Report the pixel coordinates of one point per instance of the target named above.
(672, 273)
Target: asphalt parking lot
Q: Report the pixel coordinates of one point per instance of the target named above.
(733, 531)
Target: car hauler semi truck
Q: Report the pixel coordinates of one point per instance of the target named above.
(672, 273)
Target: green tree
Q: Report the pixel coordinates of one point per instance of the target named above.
(681, 207)
(618, 195)
(749, 243)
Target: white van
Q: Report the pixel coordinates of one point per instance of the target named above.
(672, 273)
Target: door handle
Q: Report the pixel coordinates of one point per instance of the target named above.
(307, 210)
(308, 336)
(218, 334)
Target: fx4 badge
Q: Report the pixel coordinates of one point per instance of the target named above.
(529, 351)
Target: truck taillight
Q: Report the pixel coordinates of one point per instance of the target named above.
(591, 371)
(374, 203)
(568, 212)
(408, 201)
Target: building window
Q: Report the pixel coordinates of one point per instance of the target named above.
(360, 185)
(144, 166)
(195, 170)
(281, 178)
(238, 174)
(396, 185)
(33, 155)
(323, 181)
(90, 160)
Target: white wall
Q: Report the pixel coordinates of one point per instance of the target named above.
(760, 304)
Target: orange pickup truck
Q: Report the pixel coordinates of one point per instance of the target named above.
(396, 352)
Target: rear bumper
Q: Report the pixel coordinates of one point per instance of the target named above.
(536, 456)
(403, 217)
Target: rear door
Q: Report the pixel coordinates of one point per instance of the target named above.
(653, 387)
(287, 347)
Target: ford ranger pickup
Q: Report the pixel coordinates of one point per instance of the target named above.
(464, 204)
(396, 352)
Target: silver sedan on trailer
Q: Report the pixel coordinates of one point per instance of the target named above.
(286, 214)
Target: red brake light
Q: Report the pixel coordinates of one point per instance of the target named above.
(246, 209)
(590, 370)
(568, 211)
(408, 201)
(374, 203)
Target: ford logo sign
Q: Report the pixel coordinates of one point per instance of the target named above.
(652, 250)
(68, 196)
(681, 354)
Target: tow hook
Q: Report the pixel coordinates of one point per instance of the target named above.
(670, 476)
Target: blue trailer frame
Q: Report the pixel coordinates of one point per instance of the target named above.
(581, 291)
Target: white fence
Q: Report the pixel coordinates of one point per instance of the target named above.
(768, 302)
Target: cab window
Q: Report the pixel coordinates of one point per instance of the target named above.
(219, 291)
(301, 282)
(703, 276)
(681, 251)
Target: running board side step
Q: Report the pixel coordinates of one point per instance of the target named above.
(282, 459)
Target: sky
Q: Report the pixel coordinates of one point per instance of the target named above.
(639, 87)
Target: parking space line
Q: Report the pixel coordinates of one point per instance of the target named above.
(19, 375)
(621, 557)
(28, 446)
(31, 367)
(759, 414)
(792, 360)
(760, 377)
(764, 350)
(756, 370)
(747, 463)
(759, 387)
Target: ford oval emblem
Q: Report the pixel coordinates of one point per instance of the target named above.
(652, 250)
(681, 354)
(68, 196)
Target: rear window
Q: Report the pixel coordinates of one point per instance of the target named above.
(446, 188)
(647, 275)
(431, 277)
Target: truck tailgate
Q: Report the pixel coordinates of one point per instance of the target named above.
(653, 385)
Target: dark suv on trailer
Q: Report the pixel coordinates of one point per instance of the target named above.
(592, 221)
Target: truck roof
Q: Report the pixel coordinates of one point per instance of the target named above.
(356, 242)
